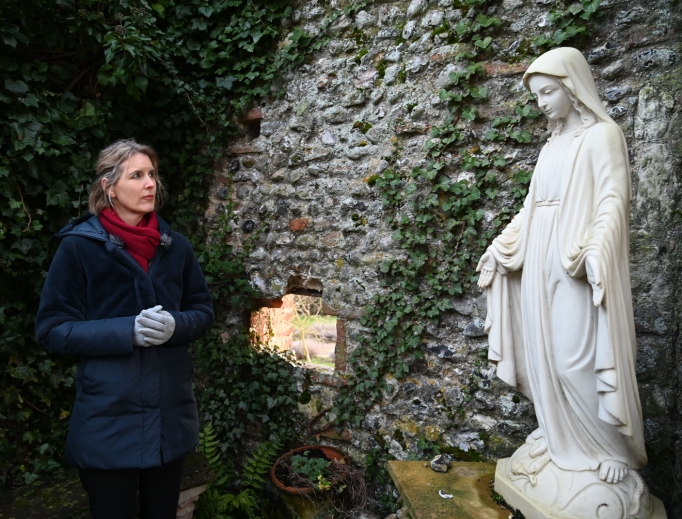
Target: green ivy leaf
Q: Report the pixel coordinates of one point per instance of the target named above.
(16, 86)
(483, 43)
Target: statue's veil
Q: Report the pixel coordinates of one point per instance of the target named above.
(569, 66)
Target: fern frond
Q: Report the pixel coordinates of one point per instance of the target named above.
(209, 446)
(257, 467)
(243, 502)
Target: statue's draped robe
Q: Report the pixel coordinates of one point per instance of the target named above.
(574, 360)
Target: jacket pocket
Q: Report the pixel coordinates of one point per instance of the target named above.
(112, 385)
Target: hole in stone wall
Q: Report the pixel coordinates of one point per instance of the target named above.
(252, 129)
(300, 324)
(314, 337)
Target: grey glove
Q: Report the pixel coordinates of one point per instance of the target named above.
(153, 327)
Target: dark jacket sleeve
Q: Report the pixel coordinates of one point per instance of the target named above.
(195, 318)
(60, 322)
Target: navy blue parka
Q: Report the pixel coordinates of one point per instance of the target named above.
(134, 407)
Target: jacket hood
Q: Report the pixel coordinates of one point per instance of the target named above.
(89, 226)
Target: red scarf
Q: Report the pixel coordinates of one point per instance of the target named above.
(141, 241)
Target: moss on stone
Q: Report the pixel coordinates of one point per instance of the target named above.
(360, 37)
(363, 52)
(381, 68)
(440, 30)
(364, 127)
(402, 75)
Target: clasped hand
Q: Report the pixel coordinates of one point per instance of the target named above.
(153, 326)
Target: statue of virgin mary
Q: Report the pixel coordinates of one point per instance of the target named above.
(560, 319)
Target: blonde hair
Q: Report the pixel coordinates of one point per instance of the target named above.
(110, 166)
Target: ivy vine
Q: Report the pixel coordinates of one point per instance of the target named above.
(438, 212)
(76, 75)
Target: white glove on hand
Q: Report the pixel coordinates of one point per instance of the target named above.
(153, 327)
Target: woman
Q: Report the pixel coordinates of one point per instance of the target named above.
(126, 295)
(563, 330)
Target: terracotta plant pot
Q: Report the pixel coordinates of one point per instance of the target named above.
(302, 502)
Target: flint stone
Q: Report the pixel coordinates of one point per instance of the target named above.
(617, 111)
(249, 175)
(441, 350)
(331, 239)
(284, 238)
(328, 138)
(307, 240)
(388, 33)
(443, 80)
(410, 29)
(433, 19)
(353, 99)
(510, 5)
(614, 70)
(615, 94)
(336, 115)
(389, 14)
(422, 45)
(653, 107)
(453, 15)
(341, 22)
(364, 19)
(438, 467)
(268, 128)
(416, 8)
(475, 328)
(391, 73)
(361, 151)
(463, 306)
(656, 58)
(243, 192)
(365, 80)
(393, 56)
(415, 66)
(294, 175)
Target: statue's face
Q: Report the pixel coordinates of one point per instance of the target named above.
(551, 96)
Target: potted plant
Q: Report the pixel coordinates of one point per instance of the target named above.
(312, 477)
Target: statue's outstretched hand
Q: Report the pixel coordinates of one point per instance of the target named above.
(595, 279)
(487, 267)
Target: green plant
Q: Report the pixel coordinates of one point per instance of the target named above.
(313, 469)
(438, 215)
(570, 22)
(78, 74)
(257, 467)
(217, 502)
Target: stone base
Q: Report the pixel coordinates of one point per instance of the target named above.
(468, 484)
(532, 509)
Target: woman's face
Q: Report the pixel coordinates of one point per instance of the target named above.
(134, 195)
(551, 96)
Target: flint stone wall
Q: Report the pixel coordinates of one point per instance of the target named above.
(367, 95)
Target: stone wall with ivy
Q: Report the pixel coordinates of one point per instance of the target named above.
(399, 149)
(74, 76)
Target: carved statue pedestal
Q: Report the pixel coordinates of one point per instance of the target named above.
(541, 490)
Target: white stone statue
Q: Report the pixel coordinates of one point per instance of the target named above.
(560, 319)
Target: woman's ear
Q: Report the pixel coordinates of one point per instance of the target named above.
(108, 190)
